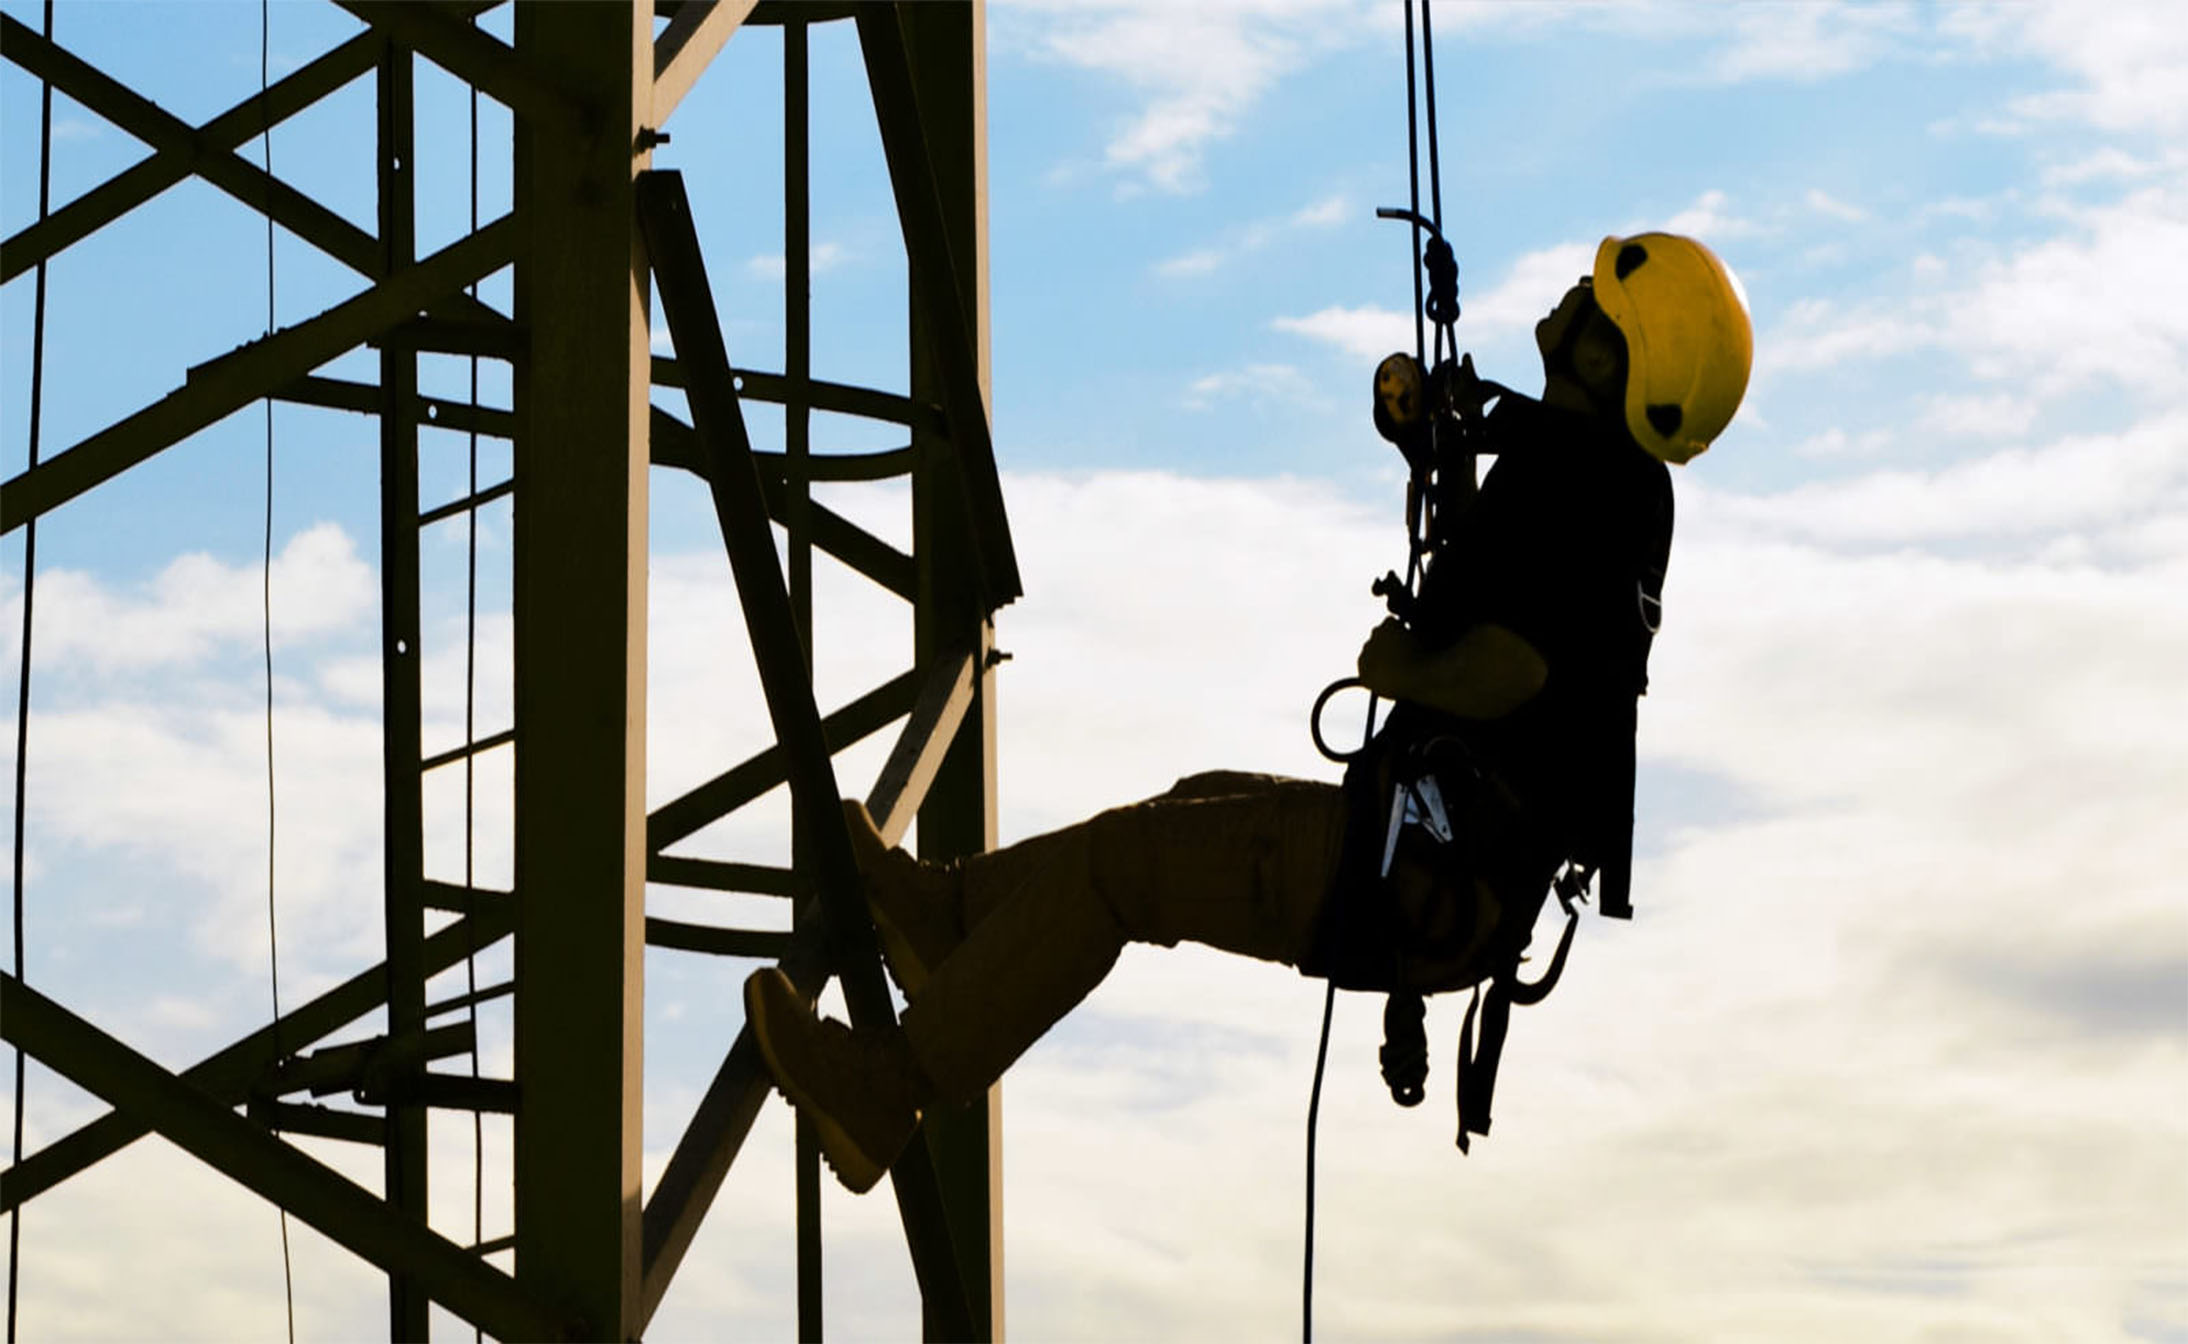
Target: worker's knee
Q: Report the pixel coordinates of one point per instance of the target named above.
(1245, 873)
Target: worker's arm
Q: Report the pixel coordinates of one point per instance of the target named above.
(1487, 673)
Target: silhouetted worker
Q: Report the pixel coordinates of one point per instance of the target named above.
(1528, 647)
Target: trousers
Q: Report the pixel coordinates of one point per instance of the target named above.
(1240, 862)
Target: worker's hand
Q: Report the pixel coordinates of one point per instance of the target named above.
(1387, 660)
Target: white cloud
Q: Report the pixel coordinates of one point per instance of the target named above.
(1197, 69)
(2081, 484)
(1708, 219)
(1998, 416)
(2089, 305)
(1530, 289)
(1322, 214)
(1809, 41)
(1251, 238)
(1199, 261)
(1825, 204)
(823, 258)
(2130, 71)
(1367, 331)
(1263, 385)
(1900, 1119)
(197, 606)
(1836, 443)
(2108, 163)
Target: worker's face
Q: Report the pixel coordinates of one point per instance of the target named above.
(1579, 343)
(1550, 332)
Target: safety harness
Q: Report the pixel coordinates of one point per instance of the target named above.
(1431, 814)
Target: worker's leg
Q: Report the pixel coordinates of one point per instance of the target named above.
(1244, 872)
(924, 910)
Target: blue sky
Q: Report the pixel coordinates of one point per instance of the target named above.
(1898, 1046)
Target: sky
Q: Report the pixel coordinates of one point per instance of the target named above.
(1896, 1047)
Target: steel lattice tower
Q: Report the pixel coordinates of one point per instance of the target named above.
(592, 88)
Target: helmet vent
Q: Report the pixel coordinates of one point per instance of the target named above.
(1664, 418)
(1630, 258)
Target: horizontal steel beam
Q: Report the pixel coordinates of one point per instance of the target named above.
(463, 900)
(228, 384)
(837, 398)
(324, 1198)
(472, 999)
(747, 780)
(361, 1065)
(882, 466)
(227, 1075)
(675, 445)
(491, 740)
(712, 875)
(341, 394)
(450, 510)
(721, 942)
(325, 1122)
(485, 333)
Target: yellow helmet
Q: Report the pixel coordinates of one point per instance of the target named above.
(1688, 340)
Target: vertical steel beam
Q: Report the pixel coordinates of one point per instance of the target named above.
(403, 846)
(580, 609)
(946, 48)
(797, 513)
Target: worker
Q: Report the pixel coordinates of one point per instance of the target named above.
(1528, 629)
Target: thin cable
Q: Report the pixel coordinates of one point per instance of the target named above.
(22, 683)
(1428, 79)
(1413, 177)
(1435, 170)
(1314, 1116)
(265, 598)
(470, 736)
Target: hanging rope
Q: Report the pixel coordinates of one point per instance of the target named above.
(1413, 182)
(22, 683)
(470, 736)
(1441, 308)
(265, 597)
(1314, 1115)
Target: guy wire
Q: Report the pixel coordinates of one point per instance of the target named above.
(22, 684)
(470, 736)
(1314, 1114)
(265, 598)
(1435, 170)
(1413, 177)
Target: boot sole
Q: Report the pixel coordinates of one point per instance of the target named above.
(857, 1171)
(906, 967)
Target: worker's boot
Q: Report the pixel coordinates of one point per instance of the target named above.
(918, 908)
(862, 1088)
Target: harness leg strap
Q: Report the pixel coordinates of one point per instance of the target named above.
(1478, 1057)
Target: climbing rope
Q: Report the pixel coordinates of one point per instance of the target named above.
(471, 737)
(1314, 1115)
(1439, 307)
(265, 597)
(22, 684)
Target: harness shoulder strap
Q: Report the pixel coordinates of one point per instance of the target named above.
(1616, 857)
